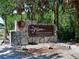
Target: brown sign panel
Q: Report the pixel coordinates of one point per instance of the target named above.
(21, 25)
(40, 30)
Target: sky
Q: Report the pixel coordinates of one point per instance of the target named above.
(1, 20)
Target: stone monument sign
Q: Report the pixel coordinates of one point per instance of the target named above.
(29, 31)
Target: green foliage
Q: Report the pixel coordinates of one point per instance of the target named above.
(6, 6)
(47, 17)
(66, 24)
(10, 23)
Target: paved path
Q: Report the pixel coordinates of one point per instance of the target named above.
(9, 52)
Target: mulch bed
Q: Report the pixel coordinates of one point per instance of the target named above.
(41, 50)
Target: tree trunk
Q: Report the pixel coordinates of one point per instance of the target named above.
(76, 4)
(56, 7)
(32, 3)
(4, 17)
(56, 12)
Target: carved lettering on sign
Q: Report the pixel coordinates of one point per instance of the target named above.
(40, 30)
